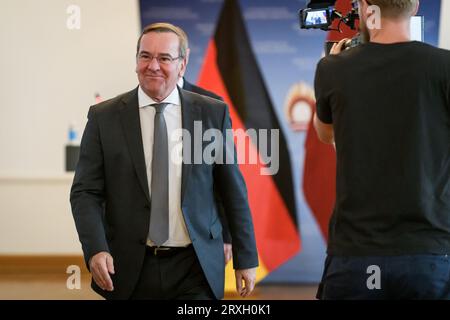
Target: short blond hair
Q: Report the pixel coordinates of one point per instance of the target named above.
(167, 27)
(395, 8)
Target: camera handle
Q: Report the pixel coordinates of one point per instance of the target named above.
(349, 20)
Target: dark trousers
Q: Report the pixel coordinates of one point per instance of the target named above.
(168, 276)
(387, 277)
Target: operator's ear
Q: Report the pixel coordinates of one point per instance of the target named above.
(362, 8)
(416, 9)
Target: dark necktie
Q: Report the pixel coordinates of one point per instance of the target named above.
(159, 216)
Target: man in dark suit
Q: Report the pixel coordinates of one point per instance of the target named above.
(148, 224)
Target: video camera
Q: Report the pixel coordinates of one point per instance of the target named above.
(320, 14)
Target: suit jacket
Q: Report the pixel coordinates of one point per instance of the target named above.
(193, 88)
(226, 230)
(111, 203)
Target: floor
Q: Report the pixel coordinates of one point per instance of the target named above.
(54, 287)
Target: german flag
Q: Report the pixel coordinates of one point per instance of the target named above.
(231, 71)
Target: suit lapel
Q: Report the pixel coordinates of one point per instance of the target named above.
(190, 112)
(129, 115)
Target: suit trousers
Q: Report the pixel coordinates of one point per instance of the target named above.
(176, 276)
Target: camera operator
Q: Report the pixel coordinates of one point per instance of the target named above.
(386, 106)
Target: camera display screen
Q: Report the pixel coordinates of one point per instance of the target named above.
(316, 18)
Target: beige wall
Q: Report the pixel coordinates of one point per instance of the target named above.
(36, 217)
(49, 74)
(48, 78)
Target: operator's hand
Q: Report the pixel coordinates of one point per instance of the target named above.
(337, 47)
(249, 278)
(228, 252)
(101, 265)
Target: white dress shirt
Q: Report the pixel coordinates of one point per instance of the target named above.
(178, 234)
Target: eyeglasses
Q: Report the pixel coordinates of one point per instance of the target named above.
(164, 59)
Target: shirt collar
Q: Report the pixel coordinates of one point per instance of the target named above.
(180, 82)
(145, 100)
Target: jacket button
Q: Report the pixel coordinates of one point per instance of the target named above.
(143, 241)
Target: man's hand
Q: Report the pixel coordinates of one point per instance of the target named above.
(228, 252)
(101, 266)
(249, 278)
(337, 47)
